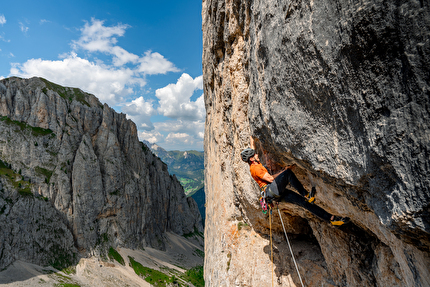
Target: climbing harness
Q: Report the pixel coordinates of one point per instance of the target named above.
(288, 241)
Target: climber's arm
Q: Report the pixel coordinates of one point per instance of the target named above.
(251, 142)
(293, 166)
(267, 177)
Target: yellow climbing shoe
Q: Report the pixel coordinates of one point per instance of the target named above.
(310, 197)
(337, 220)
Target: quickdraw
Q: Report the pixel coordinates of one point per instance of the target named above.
(265, 202)
(263, 205)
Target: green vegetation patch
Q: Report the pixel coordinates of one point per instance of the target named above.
(80, 97)
(36, 131)
(195, 276)
(243, 225)
(69, 94)
(69, 270)
(65, 281)
(151, 276)
(23, 187)
(113, 254)
(43, 171)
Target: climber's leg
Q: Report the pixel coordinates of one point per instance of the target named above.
(293, 197)
(288, 176)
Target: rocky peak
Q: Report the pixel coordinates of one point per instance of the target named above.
(86, 182)
(341, 89)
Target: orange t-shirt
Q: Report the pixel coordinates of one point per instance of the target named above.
(257, 172)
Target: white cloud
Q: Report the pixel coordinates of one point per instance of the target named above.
(175, 99)
(183, 140)
(43, 21)
(109, 84)
(171, 134)
(11, 55)
(151, 136)
(185, 129)
(154, 63)
(98, 38)
(23, 28)
(2, 19)
(140, 112)
(194, 128)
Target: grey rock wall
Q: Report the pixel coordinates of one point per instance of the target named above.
(80, 165)
(341, 88)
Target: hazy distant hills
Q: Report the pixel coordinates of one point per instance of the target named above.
(188, 166)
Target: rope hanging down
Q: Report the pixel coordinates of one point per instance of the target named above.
(271, 244)
(291, 250)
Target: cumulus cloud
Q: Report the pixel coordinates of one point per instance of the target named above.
(151, 136)
(154, 63)
(110, 85)
(177, 134)
(140, 112)
(2, 19)
(185, 128)
(194, 128)
(175, 99)
(183, 140)
(96, 37)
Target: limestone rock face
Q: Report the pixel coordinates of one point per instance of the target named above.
(342, 89)
(76, 178)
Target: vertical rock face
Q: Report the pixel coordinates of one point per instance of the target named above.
(342, 89)
(76, 178)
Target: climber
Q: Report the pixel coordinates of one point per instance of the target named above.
(273, 187)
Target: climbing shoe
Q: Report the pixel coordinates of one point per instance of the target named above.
(310, 197)
(337, 220)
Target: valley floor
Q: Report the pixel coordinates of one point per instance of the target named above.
(181, 254)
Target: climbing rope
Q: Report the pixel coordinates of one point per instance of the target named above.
(271, 244)
(289, 245)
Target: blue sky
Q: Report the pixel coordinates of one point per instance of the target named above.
(143, 58)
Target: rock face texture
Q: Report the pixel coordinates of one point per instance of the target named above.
(342, 89)
(75, 179)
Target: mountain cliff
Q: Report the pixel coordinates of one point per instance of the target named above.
(341, 89)
(75, 180)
